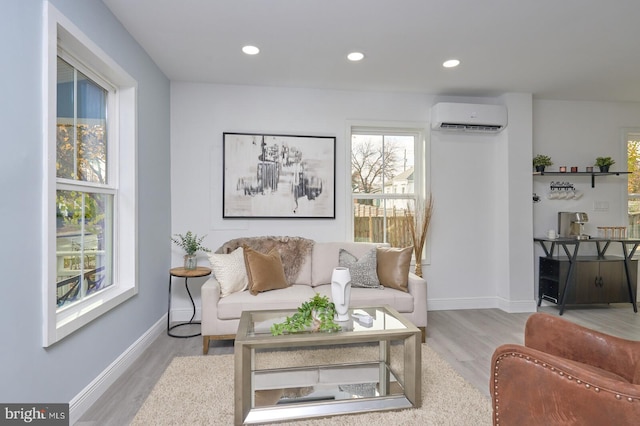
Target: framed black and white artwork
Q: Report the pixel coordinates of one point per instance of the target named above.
(278, 176)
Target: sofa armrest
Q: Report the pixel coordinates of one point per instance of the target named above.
(418, 288)
(557, 336)
(416, 284)
(210, 298)
(531, 387)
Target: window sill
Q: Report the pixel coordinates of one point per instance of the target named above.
(77, 316)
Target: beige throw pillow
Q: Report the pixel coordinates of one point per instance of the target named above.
(265, 271)
(230, 271)
(393, 267)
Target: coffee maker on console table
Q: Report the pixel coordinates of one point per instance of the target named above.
(571, 225)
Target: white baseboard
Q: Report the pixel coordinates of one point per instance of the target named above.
(184, 315)
(481, 303)
(98, 386)
(517, 306)
(461, 303)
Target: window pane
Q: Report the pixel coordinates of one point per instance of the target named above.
(84, 244)
(91, 126)
(367, 164)
(633, 164)
(65, 137)
(399, 164)
(382, 221)
(382, 164)
(81, 104)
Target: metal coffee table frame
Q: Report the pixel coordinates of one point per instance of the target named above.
(399, 329)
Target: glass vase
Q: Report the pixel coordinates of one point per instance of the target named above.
(190, 261)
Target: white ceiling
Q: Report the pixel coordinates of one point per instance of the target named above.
(555, 49)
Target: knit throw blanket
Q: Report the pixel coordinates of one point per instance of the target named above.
(293, 251)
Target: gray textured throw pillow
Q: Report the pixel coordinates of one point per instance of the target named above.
(363, 271)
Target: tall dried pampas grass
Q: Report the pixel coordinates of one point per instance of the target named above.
(419, 227)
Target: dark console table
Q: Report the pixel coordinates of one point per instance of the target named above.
(587, 279)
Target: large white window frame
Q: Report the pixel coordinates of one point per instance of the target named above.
(60, 33)
(421, 161)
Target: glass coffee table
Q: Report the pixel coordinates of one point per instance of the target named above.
(314, 386)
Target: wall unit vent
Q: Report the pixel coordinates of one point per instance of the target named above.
(460, 117)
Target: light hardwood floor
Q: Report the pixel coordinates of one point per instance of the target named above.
(466, 339)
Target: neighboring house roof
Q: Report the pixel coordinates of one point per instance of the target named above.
(407, 175)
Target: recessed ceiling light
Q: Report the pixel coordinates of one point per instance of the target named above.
(250, 50)
(355, 56)
(451, 63)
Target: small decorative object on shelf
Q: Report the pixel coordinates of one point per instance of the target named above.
(589, 169)
(190, 243)
(315, 315)
(541, 161)
(563, 169)
(574, 169)
(612, 231)
(604, 163)
(341, 292)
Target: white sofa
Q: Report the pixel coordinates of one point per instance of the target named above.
(221, 315)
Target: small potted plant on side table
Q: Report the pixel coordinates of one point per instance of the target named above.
(604, 163)
(190, 243)
(541, 161)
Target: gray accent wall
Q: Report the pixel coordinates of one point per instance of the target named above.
(29, 372)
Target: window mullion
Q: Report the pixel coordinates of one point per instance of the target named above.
(83, 283)
(75, 123)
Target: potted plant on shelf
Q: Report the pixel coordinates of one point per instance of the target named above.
(604, 163)
(190, 243)
(541, 161)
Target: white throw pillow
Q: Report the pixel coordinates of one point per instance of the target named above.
(230, 271)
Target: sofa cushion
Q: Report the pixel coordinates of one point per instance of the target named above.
(287, 298)
(324, 257)
(265, 271)
(393, 266)
(362, 270)
(361, 297)
(230, 271)
(304, 276)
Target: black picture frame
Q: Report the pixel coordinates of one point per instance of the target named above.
(270, 176)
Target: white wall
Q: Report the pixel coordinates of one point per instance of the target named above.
(30, 373)
(574, 134)
(469, 190)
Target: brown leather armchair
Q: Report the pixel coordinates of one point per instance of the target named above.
(565, 374)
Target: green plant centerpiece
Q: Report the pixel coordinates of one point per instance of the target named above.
(190, 243)
(541, 161)
(317, 314)
(604, 163)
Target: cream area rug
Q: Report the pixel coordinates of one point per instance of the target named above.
(198, 390)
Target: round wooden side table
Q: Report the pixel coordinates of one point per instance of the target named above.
(181, 272)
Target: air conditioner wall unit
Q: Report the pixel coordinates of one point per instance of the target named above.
(461, 117)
